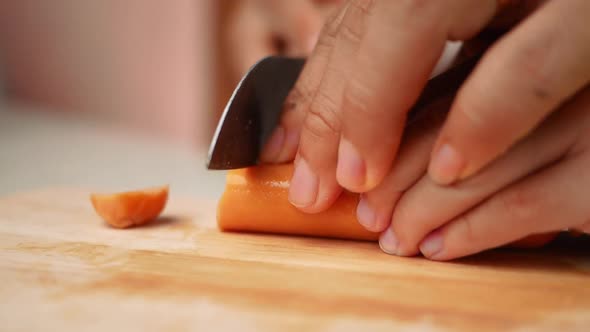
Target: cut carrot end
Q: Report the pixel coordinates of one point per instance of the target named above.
(131, 208)
(256, 200)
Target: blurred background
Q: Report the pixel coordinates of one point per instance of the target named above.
(146, 65)
(109, 92)
(163, 68)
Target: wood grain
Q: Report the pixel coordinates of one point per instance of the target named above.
(62, 268)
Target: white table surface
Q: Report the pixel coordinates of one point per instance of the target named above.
(40, 149)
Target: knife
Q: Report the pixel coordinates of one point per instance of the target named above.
(255, 107)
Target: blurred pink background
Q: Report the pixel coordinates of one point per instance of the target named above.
(145, 64)
(160, 68)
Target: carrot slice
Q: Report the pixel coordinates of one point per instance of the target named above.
(132, 208)
(256, 200)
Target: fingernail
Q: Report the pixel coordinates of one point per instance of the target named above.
(351, 170)
(432, 244)
(289, 146)
(388, 242)
(365, 214)
(446, 165)
(304, 185)
(273, 147)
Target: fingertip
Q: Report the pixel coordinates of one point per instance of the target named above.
(447, 164)
(289, 147)
(374, 212)
(327, 194)
(303, 190)
(365, 213)
(308, 191)
(351, 169)
(273, 147)
(432, 246)
(389, 243)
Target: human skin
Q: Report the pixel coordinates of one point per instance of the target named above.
(540, 185)
(348, 107)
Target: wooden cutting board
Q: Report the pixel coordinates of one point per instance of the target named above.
(62, 268)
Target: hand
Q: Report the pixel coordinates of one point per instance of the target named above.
(261, 28)
(539, 185)
(347, 111)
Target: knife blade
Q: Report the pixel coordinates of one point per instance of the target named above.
(252, 112)
(255, 107)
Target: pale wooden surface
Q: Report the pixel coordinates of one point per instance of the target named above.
(62, 269)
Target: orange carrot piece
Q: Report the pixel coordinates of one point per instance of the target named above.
(132, 208)
(256, 200)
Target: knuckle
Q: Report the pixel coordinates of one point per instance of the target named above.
(357, 97)
(364, 6)
(322, 119)
(350, 32)
(466, 230)
(485, 122)
(328, 37)
(531, 67)
(476, 113)
(538, 90)
(329, 32)
(533, 64)
(532, 80)
(332, 24)
(521, 206)
(325, 44)
(353, 26)
(299, 95)
(350, 28)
